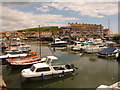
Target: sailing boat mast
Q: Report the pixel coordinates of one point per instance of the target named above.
(109, 27)
(108, 24)
(39, 40)
(70, 36)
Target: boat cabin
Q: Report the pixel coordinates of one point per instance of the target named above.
(57, 40)
(49, 59)
(40, 67)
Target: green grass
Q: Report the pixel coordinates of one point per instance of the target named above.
(53, 29)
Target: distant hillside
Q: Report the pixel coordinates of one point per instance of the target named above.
(53, 29)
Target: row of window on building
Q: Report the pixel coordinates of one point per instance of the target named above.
(83, 30)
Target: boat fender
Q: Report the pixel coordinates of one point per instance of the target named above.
(52, 75)
(42, 76)
(61, 76)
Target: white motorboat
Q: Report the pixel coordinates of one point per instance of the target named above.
(97, 41)
(58, 42)
(78, 46)
(114, 86)
(30, 59)
(46, 70)
(94, 48)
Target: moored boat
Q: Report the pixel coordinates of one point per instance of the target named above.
(30, 59)
(46, 70)
(108, 52)
(94, 48)
(59, 43)
(115, 86)
(78, 46)
(13, 54)
(19, 46)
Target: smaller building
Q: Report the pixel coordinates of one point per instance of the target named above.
(45, 33)
(106, 32)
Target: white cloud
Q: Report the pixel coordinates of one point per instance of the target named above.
(14, 19)
(60, 1)
(92, 9)
(43, 9)
(13, 4)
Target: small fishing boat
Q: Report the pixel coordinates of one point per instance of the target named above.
(30, 59)
(108, 52)
(58, 43)
(46, 70)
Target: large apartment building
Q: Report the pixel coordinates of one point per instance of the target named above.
(82, 30)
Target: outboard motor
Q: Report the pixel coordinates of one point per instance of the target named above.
(73, 67)
(118, 57)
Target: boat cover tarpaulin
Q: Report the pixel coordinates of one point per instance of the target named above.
(109, 50)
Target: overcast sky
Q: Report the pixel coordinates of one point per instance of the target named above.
(21, 15)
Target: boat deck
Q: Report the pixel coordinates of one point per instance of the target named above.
(115, 85)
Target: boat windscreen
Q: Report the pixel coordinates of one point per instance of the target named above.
(32, 68)
(48, 61)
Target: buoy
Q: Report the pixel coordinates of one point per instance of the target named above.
(42, 76)
(59, 75)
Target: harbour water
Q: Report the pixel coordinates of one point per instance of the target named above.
(92, 71)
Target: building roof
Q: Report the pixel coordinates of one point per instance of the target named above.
(78, 27)
(41, 65)
(81, 26)
(112, 35)
(75, 24)
(52, 57)
(65, 27)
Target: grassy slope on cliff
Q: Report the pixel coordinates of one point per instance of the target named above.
(52, 29)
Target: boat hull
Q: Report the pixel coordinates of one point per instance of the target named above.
(106, 55)
(23, 65)
(59, 45)
(20, 66)
(51, 76)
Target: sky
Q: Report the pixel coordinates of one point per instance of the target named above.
(21, 15)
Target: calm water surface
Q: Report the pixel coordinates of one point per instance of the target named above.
(92, 71)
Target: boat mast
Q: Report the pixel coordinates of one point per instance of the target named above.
(109, 28)
(39, 40)
(70, 36)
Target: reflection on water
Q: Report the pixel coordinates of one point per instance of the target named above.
(47, 83)
(92, 71)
